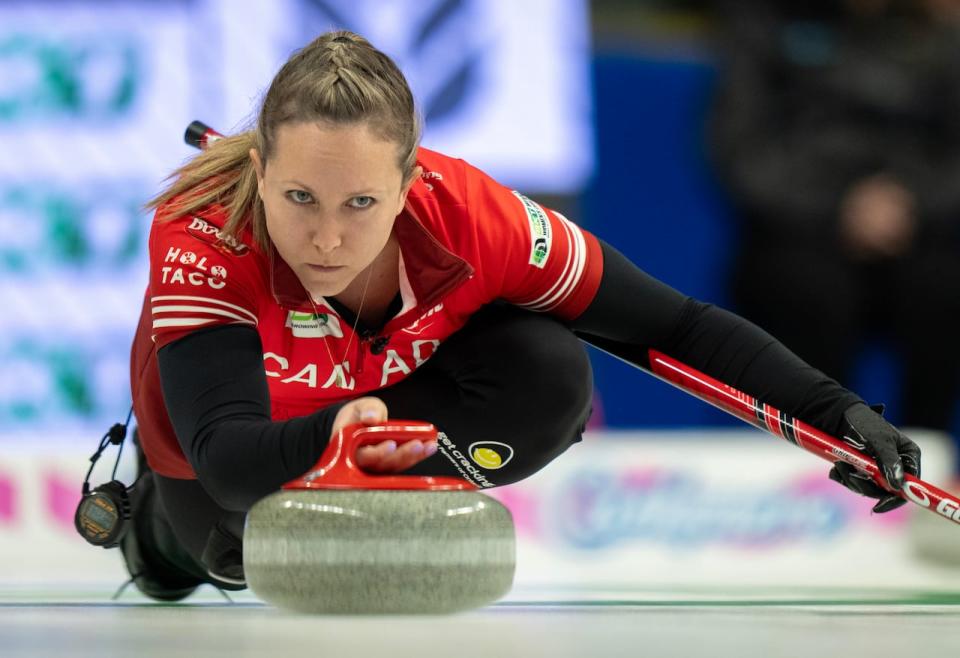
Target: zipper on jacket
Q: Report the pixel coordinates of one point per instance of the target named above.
(358, 353)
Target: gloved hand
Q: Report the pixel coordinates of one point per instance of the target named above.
(867, 431)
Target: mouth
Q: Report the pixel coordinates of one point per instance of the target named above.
(325, 268)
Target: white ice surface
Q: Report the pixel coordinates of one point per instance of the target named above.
(710, 623)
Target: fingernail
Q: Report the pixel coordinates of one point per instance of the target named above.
(368, 414)
(416, 446)
(390, 446)
(431, 448)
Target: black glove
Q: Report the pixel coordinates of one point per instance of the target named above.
(867, 431)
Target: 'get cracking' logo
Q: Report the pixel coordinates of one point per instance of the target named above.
(491, 455)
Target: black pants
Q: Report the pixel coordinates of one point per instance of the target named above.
(510, 392)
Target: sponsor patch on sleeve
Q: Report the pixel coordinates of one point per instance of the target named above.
(206, 232)
(541, 235)
(187, 268)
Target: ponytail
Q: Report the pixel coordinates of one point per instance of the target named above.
(222, 174)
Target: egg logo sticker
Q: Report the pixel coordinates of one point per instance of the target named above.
(490, 455)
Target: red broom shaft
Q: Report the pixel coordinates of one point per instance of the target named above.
(776, 422)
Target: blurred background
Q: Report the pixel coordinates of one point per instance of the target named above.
(798, 164)
(692, 135)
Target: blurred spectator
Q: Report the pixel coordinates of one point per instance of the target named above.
(836, 129)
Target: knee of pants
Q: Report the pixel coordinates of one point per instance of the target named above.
(523, 383)
(546, 382)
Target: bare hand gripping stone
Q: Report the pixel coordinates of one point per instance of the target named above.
(379, 552)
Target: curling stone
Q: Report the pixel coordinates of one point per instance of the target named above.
(339, 540)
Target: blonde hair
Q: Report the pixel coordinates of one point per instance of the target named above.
(338, 78)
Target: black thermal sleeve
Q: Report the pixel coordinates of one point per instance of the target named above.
(633, 312)
(216, 394)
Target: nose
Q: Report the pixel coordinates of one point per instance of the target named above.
(325, 235)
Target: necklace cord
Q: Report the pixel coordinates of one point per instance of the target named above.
(356, 322)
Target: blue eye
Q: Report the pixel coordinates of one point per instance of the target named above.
(361, 202)
(299, 197)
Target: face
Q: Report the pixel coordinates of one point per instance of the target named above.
(330, 194)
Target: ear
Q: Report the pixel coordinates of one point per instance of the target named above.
(414, 177)
(258, 168)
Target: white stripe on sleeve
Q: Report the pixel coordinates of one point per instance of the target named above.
(539, 301)
(157, 310)
(203, 300)
(182, 322)
(571, 275)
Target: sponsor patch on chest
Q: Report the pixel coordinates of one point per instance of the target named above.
(313, 325)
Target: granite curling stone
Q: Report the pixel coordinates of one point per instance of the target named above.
(339, 540)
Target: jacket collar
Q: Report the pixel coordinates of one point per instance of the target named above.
(429, 270)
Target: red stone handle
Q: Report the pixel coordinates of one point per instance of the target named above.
(337, 467)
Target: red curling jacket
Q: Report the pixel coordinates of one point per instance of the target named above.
(464, 239)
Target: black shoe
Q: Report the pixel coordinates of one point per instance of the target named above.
(223, 558)
(150, 572)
